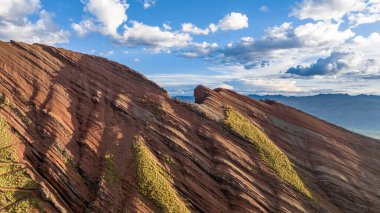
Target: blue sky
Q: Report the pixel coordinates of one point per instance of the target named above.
(251, 46)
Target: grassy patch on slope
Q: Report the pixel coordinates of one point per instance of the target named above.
(5, 136)
(30, 204)
(8, 154)
(152, 183)
(18, 179)
(271, 155)
(14, 177)
(8, 168)
(111, 175)
(9, 197)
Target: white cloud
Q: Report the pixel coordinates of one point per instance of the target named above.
(233, 21)
(15, 23)
(107, 54)
(322, 33)
(148, 3)
(84, 27)
(275, 86)
(196, 50)
(225, 86)
(18, 9)
(284, 42)
(278, 32)
(264, 8)
(357, 19)
(213, 27)
(190, 28)
(166, 27)
(326, 9)
(372, 41)
(317, 34)
(140, 34)
(357, 12)
(368, 45)
(103, 21)
(370, 14)
(134, 33)
(339, 63)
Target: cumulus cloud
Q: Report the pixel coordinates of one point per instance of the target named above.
(317, 34)
(132, 34)
(326, 9)
(15, 24)
(225, 86)
(322, 33)
(357, 12)
(84, 27)
(363, 18)
(135, 33)
(213, 27)
(148, 3)
(102, 20)
(233, 21)
(276, 86)
(370, 45)
(339, 63)
(197, 50)
(370, 14)
(18, 9)
(278, 42)
(191, 28)
(140, 34)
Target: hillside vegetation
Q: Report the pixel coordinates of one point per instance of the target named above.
(272, 156)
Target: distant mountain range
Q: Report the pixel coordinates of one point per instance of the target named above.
(359, 113)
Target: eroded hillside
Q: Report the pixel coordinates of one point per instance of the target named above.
(97, 136)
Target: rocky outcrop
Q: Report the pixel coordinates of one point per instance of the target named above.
(76, 117)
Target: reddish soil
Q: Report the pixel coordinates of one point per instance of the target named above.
(70, 109)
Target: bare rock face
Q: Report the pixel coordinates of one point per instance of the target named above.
(100, 137)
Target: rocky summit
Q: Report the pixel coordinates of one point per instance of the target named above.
(80, 133)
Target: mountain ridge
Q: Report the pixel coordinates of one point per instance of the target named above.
(363, 110)
(95, 132)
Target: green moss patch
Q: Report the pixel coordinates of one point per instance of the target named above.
(152, 183)
(111, 176)
(270, 154)
(8, 154)
(26, 205)
(14, 177)
(18, 179)
(9, 197)
(8, 168)
(5, 136)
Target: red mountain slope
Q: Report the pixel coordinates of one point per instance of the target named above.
(99, 137)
